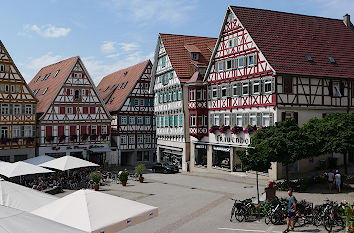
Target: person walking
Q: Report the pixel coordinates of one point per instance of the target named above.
(330, 180)
(338, 178)
(291, 211)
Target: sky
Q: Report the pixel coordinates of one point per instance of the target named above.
(110, 35)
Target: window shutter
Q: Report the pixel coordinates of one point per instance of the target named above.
(67, 91)
(61, 130)
(341, 88)
(245, 119)
(48, 131)
(221, 117)
(330, 88)
(250, 86)
(128, 120)
(10, 109)
(218, 91)
(72, 75)
(73, 130)
(87, 92)
(261, 86)
(83, 129)
(83, 75)
(283, 116)
(296, 116)
(233, 119)
(273, 85)
(255, 59)
(245, 61)
(259, 119)
(99, 131)
(216, 68)
(74, 110)
(209, 92)
(62, 110)
(92, 110)
(271, 119)
(89, 129)
(228, 90)
(132, 102)
(211, 119)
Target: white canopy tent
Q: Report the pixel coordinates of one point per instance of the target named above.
(20, 169)
(13, 220)
(22, 198)
(39, 159)
(67, 162)
(96, 212)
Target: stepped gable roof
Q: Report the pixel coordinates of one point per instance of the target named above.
(285, 38)
(115, 88)
(2, 46)
(177, 49)
(53, 84)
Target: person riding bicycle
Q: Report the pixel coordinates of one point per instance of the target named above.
(291, 211)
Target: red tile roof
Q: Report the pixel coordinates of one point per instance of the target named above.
(181, 61)
(196, 78)
(285, 38)
(53, 84)
(115, 88)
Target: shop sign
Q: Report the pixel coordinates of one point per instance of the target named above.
(221, 148)
(198, 146)
(230, 139)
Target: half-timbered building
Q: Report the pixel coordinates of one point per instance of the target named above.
(126, 95)
(177, 59)
(72, 118)
(268, 66)
(17, 112)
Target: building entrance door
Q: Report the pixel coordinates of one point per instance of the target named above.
(124, 158)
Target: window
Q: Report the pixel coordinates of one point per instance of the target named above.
(221, 65)
(27, 131)
(193, 121)
(163, 62)
(140, 139)
(35, 93)
(140, 120)
(192, 94)
(256, 88)
(245, 88)
(104, 129)
(331, 59)
(336, 89)
(241, 62)
(216, 119)
(267, 119)
(77, 75)
(227, 119)
(4, 132)
(180, 94)
(200, 121)
(235, 91)
(13, 88)
(69, 110)
(85, 110)
(6, 88)
(147, 138)
(199, 94)
(55, 75)
(94, 130)
(131, 139)
(141, 102)
(239, 120)
(287, 85)
(229, 64)
(132, 120)
(17, 109)
(253, 119)
(92, 110)
(37, 78)
(123, 120)
(77, 95)
(195, 56)
(4, 109)
(16, 131)
(268, 86)
(215, 92)
(123, 139)
(2, 68)
(231, 42)
(125, 84)
(251, 60)
(28, 109)
(61, 110)
(308, 57)
(224, 91)
(45, 90)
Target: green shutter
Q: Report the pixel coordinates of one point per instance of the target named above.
(176, 120)
(120, 120)
(146, 102)
(143, 120)
(128, 120)
(170, 121)
(163, 61)
(132, 102)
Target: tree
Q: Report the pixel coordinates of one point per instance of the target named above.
(284, 143)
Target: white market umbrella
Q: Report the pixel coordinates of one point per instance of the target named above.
(67, 162)
(22, 198)
(20, 169)
(93, 211)
(13, 220)
(39, 159)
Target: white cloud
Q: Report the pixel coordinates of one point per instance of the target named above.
(98, 68)
(113, 55)
(108, 47)
(335, 8)
(48, 30)
(127, 47)
(168, 11)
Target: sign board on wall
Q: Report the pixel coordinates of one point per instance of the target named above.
(242, 141)
(199, 146)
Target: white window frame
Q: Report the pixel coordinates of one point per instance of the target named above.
(216, 120)
(140, 139)
(147, 138)
(266, 117)
(234, 89)
(4, 132)
(131, 139)
(249, 59)
(104, 129)
(13, 88)
(16, 131)
(5, 109)
(229, 61)
(132, 120)
(336, 89)
(239, 120)
(139, 120)
(28, 109)
(192, 94)
(239, 60)
(245, 84)
(200, 119)
(224, 89)
(193, 120)
(17, 109)
(69, 110)
(123, 139)
(220, 66)
(252, 117)
(123, 120)
(27, 131)
(257, 83)
(228, 119)
(214, 90)
(268, 82)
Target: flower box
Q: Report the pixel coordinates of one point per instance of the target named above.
(29, 140)
(73, 137)
(15, 140)
(214, 128)
(49, 138)
(93, 137)
(84, 136)
(224, 129)
(236, 129)
(62, 138)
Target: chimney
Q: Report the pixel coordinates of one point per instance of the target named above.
(346, 20)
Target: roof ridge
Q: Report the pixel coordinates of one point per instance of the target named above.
(291, 13)
(56, 63)
(187, 35)
(126, 68)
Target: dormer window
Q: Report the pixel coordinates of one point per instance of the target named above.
(331, 59)
(308, 57)
(195, 56)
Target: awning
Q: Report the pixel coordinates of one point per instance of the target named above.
(100, 150)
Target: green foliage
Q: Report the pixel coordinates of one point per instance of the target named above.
(300, 185)
(96, 177)
(123, 176)
(140, 169)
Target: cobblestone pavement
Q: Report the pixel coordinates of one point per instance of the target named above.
(193, 203)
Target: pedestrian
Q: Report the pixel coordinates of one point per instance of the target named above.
(291, 211)
(338, 178)
(330, 180)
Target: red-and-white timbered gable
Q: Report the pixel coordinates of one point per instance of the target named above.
(17, 106)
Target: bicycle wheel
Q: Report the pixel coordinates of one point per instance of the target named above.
(267, 217)
(340, 222)
(299, 221)
(317, 220)
(276, 218)
(240, 214)
(328, 223)
(232, 212)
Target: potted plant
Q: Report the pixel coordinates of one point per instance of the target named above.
(214, 128)
(236, 129)
(62, 138)
(96, 177)
(49, 138)
(123, 177)
(73, 137)
(84, 136)
(93, 137)
(224, 129)
(139, 171)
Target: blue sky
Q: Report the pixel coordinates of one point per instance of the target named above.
(112, 34)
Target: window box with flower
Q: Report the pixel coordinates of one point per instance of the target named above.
(49, 138)
(224, 128)
(236, 129)
(73, 137)
(214, 129)
(62, 138)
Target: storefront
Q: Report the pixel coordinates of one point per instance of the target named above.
(221, 157)
(171, 155)
(200, 155)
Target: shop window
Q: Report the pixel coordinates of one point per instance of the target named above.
(139, 156)
(200, 158)
(146, 156)
(221, 158)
